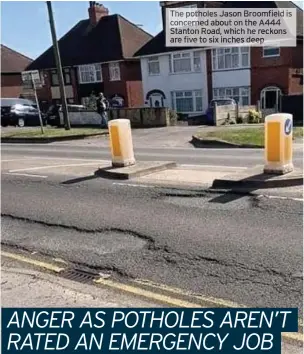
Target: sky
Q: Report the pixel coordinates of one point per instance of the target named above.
(25, 26)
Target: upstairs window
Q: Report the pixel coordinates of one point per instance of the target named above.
(90, 73)
(192, 6)
(230, 58)
(269, 52)
(185, 62)
(153, 66)
(66, 77)
(54, 78)
(114, 71)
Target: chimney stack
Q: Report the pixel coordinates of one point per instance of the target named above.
(96, 12)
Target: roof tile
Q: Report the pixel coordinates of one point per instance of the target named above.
(113, 38)
(12, 61)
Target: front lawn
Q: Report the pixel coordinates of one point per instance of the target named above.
(251, 136)
(49, 132)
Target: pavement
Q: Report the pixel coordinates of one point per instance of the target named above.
(19, 284)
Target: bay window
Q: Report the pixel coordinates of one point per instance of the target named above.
(185, 62)
(153, 66)
(114, 71)
(90, 73)
(239, 94)
(187, 101)
(230, 58)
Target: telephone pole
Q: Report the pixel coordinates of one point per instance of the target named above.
(67, 125)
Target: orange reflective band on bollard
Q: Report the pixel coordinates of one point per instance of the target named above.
(278, 143)
(121, 143)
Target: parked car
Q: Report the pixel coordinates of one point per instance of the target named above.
(20, 112)
(219, 102)
(53, 113)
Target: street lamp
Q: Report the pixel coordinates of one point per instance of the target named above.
(67, 125)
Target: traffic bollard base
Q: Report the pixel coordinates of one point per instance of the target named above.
(123, 164)
(281, 170)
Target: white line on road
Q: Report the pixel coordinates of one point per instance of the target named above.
(25, 175)
(53, 158)
(280, 197)
(51, 166)
(213, 166)
(132, 185)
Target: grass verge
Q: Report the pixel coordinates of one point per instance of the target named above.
(252, 136)
(26, 133)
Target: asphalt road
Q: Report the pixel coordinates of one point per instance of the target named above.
(248, 250)
(188, 155)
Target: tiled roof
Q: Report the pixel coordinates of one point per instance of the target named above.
(12, 61)
(157, 44)
(113, 38)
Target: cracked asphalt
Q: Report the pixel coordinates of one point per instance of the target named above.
(243, 249)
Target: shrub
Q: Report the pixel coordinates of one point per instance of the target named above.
(254, 117)
(173, 117)
(239, 120)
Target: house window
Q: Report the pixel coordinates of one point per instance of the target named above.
(66, 77)
(230, 58)
(153, 66)
(114, 71)
(187, 101)
(193, 6)
(271, 52)
(54, 78)
(90, 73)
(185, 62)
(239, 94)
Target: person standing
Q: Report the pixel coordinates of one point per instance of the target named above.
(102, 106)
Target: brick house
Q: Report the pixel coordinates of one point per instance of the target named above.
(12, 64)
(96, 56)
(247, 74)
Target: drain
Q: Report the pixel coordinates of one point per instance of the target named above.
(79, 276)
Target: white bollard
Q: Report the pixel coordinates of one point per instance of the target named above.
(278, 143)
(121, 143)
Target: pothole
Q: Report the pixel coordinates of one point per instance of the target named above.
(209, 203)
(64, 240)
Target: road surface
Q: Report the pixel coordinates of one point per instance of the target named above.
(247, 250)
(186, 155)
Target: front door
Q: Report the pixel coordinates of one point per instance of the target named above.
(156, 100)
(271, 98)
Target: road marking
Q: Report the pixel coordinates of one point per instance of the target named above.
(15, 160)
(24, 175)
(145, 293)
(209, 301)
(51, 166)
(34, 262)
(53, 158)
(132, 185)
(280, 197)
(213, 166)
